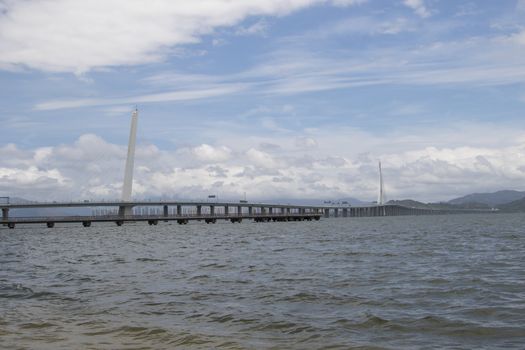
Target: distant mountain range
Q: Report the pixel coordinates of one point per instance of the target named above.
(514, 206)
(490, 199)
(506, 200)
(442, 205)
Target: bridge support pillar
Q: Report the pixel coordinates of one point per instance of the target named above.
(212, 210)
(270, 210)
(5, 214)
(250, 210)
(199, 210)
(125, 210)
(327, 213)
(165, 210)
(336, 213)
(239, 210)
(179, 210)
(226, 210)
(345, 212)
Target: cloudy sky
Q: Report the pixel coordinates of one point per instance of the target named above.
(275, 98)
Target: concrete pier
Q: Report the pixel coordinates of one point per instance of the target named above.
(5, 214)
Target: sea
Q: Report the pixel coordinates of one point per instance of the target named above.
(413, 282)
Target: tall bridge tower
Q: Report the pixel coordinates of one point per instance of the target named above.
(130, 160)
(127, 186)
(381, 197)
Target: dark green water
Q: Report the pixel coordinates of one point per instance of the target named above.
(454, 282)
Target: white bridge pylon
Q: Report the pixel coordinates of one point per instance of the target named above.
(127, 186)
(381, 196)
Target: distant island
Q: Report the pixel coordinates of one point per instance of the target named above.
(505, 201)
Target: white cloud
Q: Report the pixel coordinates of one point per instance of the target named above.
(258, 28)
(343, 3)
(260, 158)
(183, 95)
(421, 163)
(31, 176)
(212, 154)
(362, 25)
(293, 70)
(78, 36)
(418, 6)
(305, 142)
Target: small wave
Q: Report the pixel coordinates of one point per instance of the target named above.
(214, 265)
(437, 281)
(297, 279)
(191, 339)
(222, 319)
(245, 320)
(369, 321)
(15, 291)
(275, 326)
(302, 296)
(134, 331)
(229, 345)
(301, 329)
(149, 259)
(199, 277)
(36, 325)
(2, 262)
(18, 291)
(373, 320)
(488, 332)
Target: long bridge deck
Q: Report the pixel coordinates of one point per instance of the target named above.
(210, 212)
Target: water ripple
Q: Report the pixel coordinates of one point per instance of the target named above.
(449, 282)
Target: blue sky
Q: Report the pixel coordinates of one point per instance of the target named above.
(295, 98)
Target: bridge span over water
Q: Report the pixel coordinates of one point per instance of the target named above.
(210, 212)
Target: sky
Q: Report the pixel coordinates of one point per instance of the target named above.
(272, 98)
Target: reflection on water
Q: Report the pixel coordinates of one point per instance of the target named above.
(394, 282)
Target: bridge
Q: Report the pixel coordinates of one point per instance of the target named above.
(183, 212)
